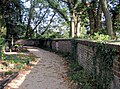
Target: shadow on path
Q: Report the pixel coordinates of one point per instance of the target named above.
(48, 73)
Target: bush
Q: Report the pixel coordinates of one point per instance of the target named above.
(80, 76)
(100, 37)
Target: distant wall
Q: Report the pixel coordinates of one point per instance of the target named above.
(83, 53)
(28, 42)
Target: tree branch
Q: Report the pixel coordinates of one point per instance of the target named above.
(40, 20)
(48, 24)
(58, 11)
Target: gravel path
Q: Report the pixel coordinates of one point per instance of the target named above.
(48, 73)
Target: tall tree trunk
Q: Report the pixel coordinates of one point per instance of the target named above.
(75, 24)
(99, 16)
(28, 28)
(78, 26)
(28, 32)
(116, 19)
(91, 14)
(7, 29)
(92, 21)
(72, 25)
(107, 18)
(78, 29)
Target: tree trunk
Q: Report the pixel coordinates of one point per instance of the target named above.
(28, 32)
(75, 24)
(78, 26)
(116, 19)
(72, 25)
(99, 16)
(78, 29)
(28, 28)
(107, 18)
(92, 21)
(7, 29)
(72, 28)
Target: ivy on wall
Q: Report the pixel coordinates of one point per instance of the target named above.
(102, 64)
(74, 49)
(103, 57)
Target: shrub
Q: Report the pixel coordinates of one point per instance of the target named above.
(100, 37)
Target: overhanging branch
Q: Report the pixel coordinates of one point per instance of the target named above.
(58, 11)
(48, 24)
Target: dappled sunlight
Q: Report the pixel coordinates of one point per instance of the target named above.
(116, 43)
(33, 49)
(19, 80)
(48, 72)
(9, 53)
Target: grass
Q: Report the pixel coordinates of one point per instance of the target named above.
(17, 61)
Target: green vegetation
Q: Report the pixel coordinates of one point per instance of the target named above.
(8, 72)
(81, 78)
(17, 62)
(59, 18)
(103, 63)
(100, 37)
(101, 76)
(82, 19)
(2, 42)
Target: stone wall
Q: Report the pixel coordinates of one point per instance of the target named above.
(29, 42)
(83, 53)
(62, 45)
(84, 56)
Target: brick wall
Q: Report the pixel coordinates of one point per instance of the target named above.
(84, 56)
(116, 71)
(83, 53)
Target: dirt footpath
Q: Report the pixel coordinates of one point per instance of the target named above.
(48, 73)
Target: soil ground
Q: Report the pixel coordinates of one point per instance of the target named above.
(49, 72)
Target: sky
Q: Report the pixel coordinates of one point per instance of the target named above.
(27, 4)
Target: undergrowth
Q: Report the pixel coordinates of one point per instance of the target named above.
(77, 75)
(80, 77)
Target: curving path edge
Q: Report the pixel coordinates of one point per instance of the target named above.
(48, 73)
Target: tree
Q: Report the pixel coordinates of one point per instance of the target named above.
(31, 10)
(94, 11)
(71, 14)
(108, 19)
(115, 10)
(37, 14)
(10, 12)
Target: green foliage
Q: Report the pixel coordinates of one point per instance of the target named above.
(102, 65)
(102, 74)
(10, 12)
(100, 37)
(81, 77)
(83, 33)
(18, 61)
(52, 34)
(2, 42)
(8, 72)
